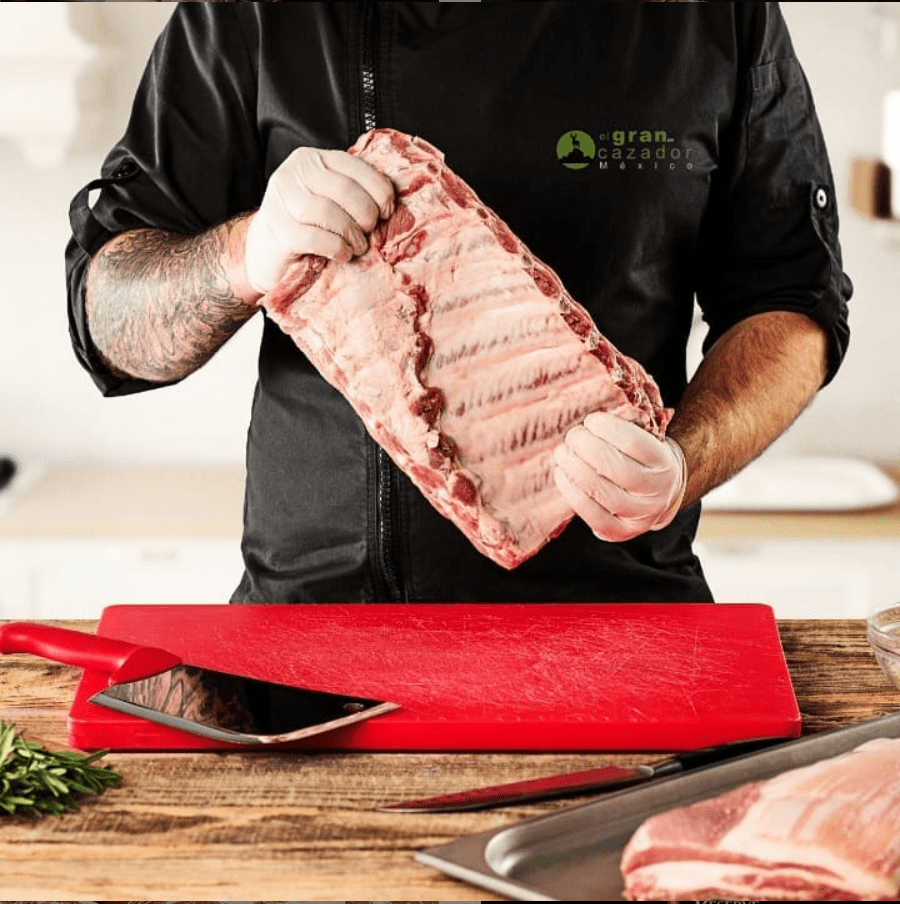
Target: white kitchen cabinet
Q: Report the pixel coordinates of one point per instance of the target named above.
(804, 578)
(76, 578)
(15, 582)
(78, 539)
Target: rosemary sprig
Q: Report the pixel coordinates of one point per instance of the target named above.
(42, 781)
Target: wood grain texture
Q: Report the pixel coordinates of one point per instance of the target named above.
(292, 825)
(835, 675)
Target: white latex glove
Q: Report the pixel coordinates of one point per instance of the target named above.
(619, 478)
(317, 202)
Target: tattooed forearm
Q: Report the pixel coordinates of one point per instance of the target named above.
(160, 304)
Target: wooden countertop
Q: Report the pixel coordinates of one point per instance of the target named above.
(207, 501)
(877, 523)
(137, 501)
(285, 826)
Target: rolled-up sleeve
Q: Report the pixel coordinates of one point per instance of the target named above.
(189, 158)
(771, 238)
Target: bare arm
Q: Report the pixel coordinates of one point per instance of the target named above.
(160, 304)
(749, 388)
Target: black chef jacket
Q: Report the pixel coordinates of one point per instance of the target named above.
(649, 153)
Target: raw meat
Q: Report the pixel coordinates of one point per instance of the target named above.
(825, 832)
(462, 353)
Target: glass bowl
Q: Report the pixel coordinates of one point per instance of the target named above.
(883, 633)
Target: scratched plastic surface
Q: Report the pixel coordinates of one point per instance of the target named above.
(482, 676)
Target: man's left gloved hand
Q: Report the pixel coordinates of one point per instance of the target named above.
(619, 478)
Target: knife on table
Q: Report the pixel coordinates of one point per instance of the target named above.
(566, 784)
(157, 685)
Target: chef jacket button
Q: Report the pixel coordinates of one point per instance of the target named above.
(821, 198)
(125, 169)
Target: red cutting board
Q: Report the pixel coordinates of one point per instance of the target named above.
(491, 676)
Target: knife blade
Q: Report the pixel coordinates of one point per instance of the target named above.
(157, 685)
(566, 784)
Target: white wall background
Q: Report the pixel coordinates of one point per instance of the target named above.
(51, 412)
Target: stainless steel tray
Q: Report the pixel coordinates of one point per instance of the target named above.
(574, 854)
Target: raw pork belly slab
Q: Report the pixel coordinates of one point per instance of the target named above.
(462, 353)
(825, 832)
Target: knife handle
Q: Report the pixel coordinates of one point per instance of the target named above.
(121, 660)
(707, 756)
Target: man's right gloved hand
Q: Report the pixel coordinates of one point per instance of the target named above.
(321, 202)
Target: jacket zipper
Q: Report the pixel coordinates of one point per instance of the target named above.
(367, 66)
(384, 505)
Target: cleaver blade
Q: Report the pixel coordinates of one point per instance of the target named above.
(157, 685)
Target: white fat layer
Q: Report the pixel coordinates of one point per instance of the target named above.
(841, 815)
(679, 880)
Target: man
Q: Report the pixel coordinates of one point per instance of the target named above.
(706, 175)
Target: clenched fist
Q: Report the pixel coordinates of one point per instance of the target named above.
(619, 478)
(317, 202)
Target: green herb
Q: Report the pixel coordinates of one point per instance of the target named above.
(42, 781)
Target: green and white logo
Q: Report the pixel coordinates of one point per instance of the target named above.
(575, 150)
(637, 149)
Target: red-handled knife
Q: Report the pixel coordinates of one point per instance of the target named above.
(157, 685)
(567, 784)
